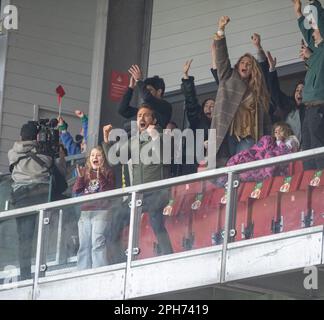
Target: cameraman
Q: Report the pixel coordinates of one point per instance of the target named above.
(31, 172)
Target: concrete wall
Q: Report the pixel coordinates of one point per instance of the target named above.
(127, 44)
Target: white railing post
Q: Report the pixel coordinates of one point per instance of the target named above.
(130, 241)
(229, 218)
(59, 237)
(39, 250)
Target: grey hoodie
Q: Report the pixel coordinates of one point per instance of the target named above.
(28, 171)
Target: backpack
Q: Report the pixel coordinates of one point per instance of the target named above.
(58, 182)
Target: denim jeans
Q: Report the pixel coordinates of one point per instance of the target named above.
(236, 146)
(93, 228)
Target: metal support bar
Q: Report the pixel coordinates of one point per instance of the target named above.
(39, 250)
(230, 208)
(130, 240)
(158, 185)
(59, 238)
(98, 64)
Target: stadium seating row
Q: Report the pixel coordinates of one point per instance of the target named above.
(278, 204)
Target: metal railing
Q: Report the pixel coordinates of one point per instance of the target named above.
(232, 173)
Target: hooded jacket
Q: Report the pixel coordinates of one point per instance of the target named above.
(27, 170)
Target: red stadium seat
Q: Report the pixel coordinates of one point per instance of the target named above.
(252, 217)
(147, 242)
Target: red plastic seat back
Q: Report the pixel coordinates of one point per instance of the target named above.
(256, 190)
(306, 179)
(286, 184)
(298, 166)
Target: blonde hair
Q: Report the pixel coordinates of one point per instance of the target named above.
(257, 88)
(287, 131)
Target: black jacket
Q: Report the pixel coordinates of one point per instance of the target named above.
(283, 103)
(194, 111)
(195, 115)
(162, 108)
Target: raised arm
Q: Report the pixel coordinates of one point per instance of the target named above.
(120, 148)
(84, 123)
(261, 57)
(192, 106)
(306, 32)
(223, 64)
(67, 139)
(124, 107)
(281, 102)
(162, 108)
(213, 69)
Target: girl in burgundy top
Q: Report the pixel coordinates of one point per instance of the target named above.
(95, 217)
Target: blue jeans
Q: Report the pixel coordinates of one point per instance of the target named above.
(236, 146)
(93, 233)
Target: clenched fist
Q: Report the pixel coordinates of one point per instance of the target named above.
(223, 21)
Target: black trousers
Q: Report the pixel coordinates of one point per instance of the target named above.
(313, 135)
(153, 203)
(27, 196)
(26, 227)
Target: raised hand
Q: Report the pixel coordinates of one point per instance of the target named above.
(213, 54)
(135, 72)
(279, 134)
(272, 61)
(186, 68)
(106, 131)
(61, 124)
(297, 7)
(60, 121)
(305, 52)
(80, 171)
(256, 40)
(79, 113)
(132, 83)
(223, 22)
(151, 130)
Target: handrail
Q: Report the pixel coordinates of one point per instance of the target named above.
(167, 182)
(75, 157)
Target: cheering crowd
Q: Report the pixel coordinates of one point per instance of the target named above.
(252, 119)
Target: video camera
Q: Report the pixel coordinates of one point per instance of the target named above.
(48, 138)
